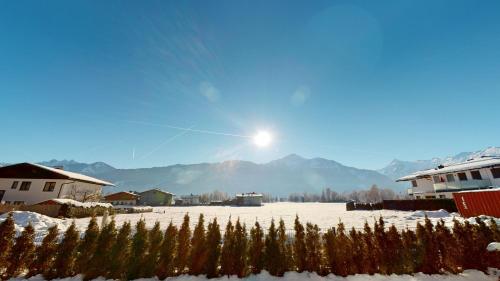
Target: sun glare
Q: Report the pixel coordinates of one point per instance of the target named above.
(262, 139)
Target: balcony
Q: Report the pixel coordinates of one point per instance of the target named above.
(459, 185)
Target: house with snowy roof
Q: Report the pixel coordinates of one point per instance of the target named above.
(122, 198)
(442, 181)
(28, 183)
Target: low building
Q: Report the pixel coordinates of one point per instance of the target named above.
(442, 181)
(249, 199)
(190, 200)
(28, 183)
(122, 198)
(155, 197)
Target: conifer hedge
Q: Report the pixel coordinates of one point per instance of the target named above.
(118, 254)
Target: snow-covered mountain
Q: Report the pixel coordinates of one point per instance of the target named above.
(398, 168)
(292, 173)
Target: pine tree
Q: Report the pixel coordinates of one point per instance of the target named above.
(240, 249)
(227, 260)
(282, 244)
(183, 246)
(256, 249)
(394, 251)
(313, 248)
(447, 248)
(330, 250)
(343, 257)
(138, 250)
(87, 246)
(494, 258)
(45, 253)
(165, 266)
(482, 236)
(22, 252)
(410, 251)
(428, 248)
(155, 238)
(7, 233)
(299, 246)
(213, 249)
(100, 264)
(358, 252)
(371, 254)
(198, 256)
(64, 263)
(120, 253)
(380, 246)
(272, 251)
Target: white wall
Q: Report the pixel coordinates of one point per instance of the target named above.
(36, 194)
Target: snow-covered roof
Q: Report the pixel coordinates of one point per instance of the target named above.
(252, 194)
(75, 203)
(74, 176)
(472, 164)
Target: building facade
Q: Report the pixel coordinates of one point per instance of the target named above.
(442, 181)
(122, 198)
(249, 199)
(155, 197)
(28, 183)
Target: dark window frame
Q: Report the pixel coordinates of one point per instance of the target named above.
(414, 183)
(49, 186)
(14, 185)
(495, 172)
(450, 176)
(476, 175)
(462, 176)
(25, 186)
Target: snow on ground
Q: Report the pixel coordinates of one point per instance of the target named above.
(75, 203)
(325, 215)
(467, 275)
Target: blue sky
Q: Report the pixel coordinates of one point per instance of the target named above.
(360, 82)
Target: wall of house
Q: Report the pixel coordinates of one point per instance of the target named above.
(155, 198)
(35, 194)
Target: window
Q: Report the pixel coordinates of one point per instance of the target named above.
(436, 179)
(442, 196)
(49, 186)
(462, 176)
(418, 197)
(14, 185)
(430, 197)
(414, 183)
(450, 178)
(496, 173)
(476, 175)
(25, 186)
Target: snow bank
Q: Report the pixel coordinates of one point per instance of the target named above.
(467, 275)
(75, 203)
(40, 223)
(430, 214)
(493, 246)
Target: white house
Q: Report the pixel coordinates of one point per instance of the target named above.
(249, 199)
(27, 183)
(442, 181)
(189, 200)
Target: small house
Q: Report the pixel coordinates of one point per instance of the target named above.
(155, 197)
(122, 198)
(249, 199)
(28, 183)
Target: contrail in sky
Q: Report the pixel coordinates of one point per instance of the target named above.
(165, 142)
(191, 130)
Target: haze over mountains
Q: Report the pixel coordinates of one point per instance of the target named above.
(280, 177)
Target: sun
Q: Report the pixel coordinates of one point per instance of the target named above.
(262, 139)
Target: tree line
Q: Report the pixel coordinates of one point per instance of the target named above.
(372, 195)
(120, 253)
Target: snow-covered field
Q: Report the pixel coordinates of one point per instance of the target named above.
(324, 214)
(467, 275)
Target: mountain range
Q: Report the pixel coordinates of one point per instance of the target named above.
(280, 177)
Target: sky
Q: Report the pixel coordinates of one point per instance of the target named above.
(155, 83)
